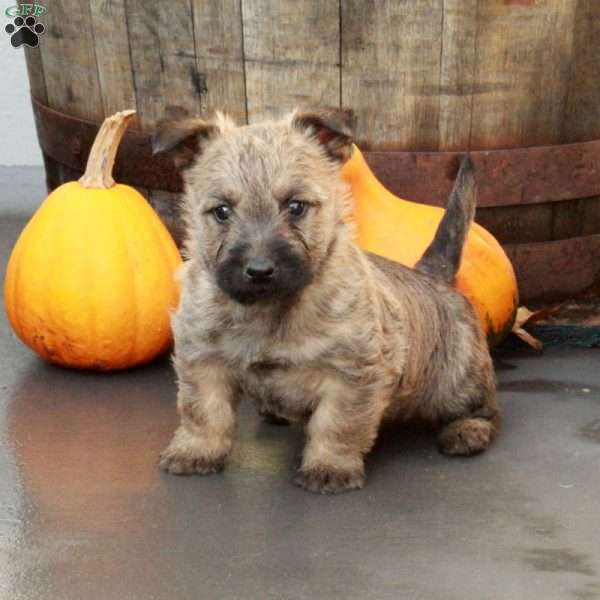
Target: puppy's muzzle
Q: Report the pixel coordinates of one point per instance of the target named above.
(259, 270)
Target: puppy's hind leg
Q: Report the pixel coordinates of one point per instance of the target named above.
(206, 404)
(471, 433)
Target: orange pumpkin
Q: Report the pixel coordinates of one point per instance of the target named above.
(90, 281)
(401, 230)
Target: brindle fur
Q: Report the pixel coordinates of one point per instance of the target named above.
(360, 340)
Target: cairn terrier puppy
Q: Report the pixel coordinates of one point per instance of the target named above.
(279, 304)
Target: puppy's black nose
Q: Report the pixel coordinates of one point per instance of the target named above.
(259, 270)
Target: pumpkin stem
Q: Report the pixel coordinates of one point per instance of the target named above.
(98, 171)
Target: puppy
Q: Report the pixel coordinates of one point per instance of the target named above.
(279, 304)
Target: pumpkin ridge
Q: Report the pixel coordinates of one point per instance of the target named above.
(124, 238)
(23, 244)
(53, 347)
(13, 277)
(29, 232)
(163, 237)
(76, 230)
(91, 324)
(159, 233)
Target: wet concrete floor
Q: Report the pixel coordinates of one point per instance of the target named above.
(85, 514)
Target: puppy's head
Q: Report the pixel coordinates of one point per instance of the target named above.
(264, 203)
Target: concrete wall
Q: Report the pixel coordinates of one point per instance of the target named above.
(18, 141)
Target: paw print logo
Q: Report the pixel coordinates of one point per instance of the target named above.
(25, 32)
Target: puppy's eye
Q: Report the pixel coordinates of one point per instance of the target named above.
(296, 208)
(222, 213)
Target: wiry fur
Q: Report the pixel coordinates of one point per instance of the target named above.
(361, 341)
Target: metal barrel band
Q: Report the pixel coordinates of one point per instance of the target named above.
(506, 177)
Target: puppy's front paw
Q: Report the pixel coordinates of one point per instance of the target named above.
(182, 462)
(326, 480)
(188, 454)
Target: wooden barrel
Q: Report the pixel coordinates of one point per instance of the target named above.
(514, 81)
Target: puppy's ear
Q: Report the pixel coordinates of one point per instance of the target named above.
(170, 134)
(331, 127)
(186, 137)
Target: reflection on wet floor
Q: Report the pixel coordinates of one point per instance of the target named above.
(87, 513)
(549, 386)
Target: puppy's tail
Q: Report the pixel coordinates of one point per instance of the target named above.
(443, 255)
